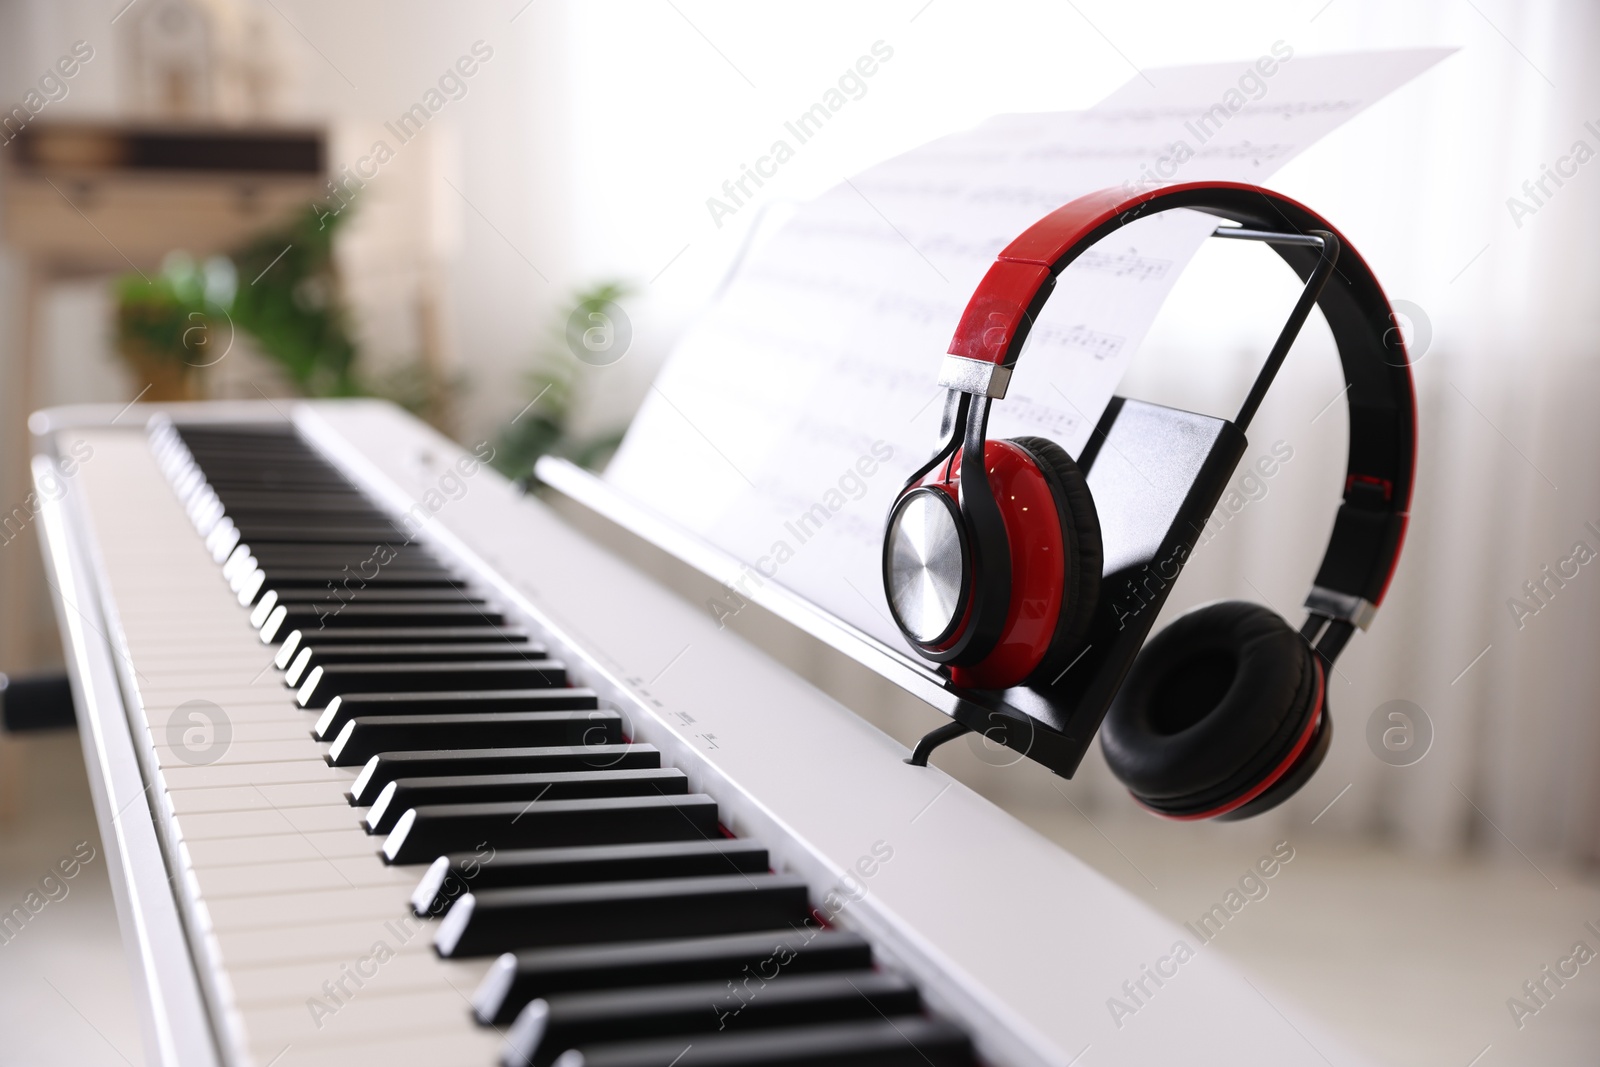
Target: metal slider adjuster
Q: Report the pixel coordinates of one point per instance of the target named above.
(1332, 604)
(974, 376)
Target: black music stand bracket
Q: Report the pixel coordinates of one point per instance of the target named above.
(1156, 474)
(933, 739)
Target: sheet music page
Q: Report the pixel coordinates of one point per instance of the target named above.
(785, 421)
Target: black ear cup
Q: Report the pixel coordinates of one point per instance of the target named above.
(1080, 532)
(1213, 706)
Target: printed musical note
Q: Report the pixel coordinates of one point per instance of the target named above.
(1079, 338)
(1129, 264)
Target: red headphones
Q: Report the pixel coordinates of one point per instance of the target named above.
(992, 556)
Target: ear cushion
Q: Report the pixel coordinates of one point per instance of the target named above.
(1293, 777)
(1212, 705)
(1080, 529)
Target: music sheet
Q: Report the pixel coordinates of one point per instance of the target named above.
(784, 422)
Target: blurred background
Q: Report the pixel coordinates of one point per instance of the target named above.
(277, 198)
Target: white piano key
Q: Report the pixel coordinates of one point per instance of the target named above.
(280, 910)
(280, 848)
(243, 752)
(400, 973)
(242, 693)
(178, 632)
(241, 728)
(237, 560)
(242, 673)
(260, 685)
(205, 826)
(180, 626)
(303, 876)
(472, 1047)
(243, 676)
(255, 687)
(163, 655)
(334, 942)
(268, 795)
(282, 772)
(366, 1013)
(263, 606)
(160, 716)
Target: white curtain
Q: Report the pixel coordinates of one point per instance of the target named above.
(1509, 409)
(1505, 337)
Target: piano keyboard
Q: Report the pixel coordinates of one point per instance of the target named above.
(585, 906)
(492, 797)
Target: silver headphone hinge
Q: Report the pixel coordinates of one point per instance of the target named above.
(1332, 604)
(974, 376)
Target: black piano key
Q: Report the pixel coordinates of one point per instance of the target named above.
(305, 584)
(334, 592)
(450, 876)
(244, 490)
(321, 655)
(246, 443)
(548, 1027)
(283, 482)
(319, 620)
(266, 597)
(239, 497)
(349, 561)
(231, 458)
(311, 519)
(355, 563)
(348, 679)
(279, 478)
(304, 500)
(424, 834)
(276, 530)
(294, 639)
(368, 559)
(230, 449)
(229, 462)
(367, 735)
(341, 709)
(308, 524)
(503, 920)
(385, 767)
(302, 577)
(285, 537)
(332, 617)
(403, 794)
(279, 472)
(519, 977)
(912, 1041)
(243, 442)
(231, 490)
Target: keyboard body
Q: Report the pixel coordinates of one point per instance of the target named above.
(248, 894)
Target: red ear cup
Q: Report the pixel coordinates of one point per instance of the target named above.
(1223, 715)
(1053, 542)
(1080, 528)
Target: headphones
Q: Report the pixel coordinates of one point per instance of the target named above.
(992, 556)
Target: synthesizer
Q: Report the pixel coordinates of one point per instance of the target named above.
(393, 766)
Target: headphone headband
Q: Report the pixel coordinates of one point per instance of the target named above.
(1371, 522)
